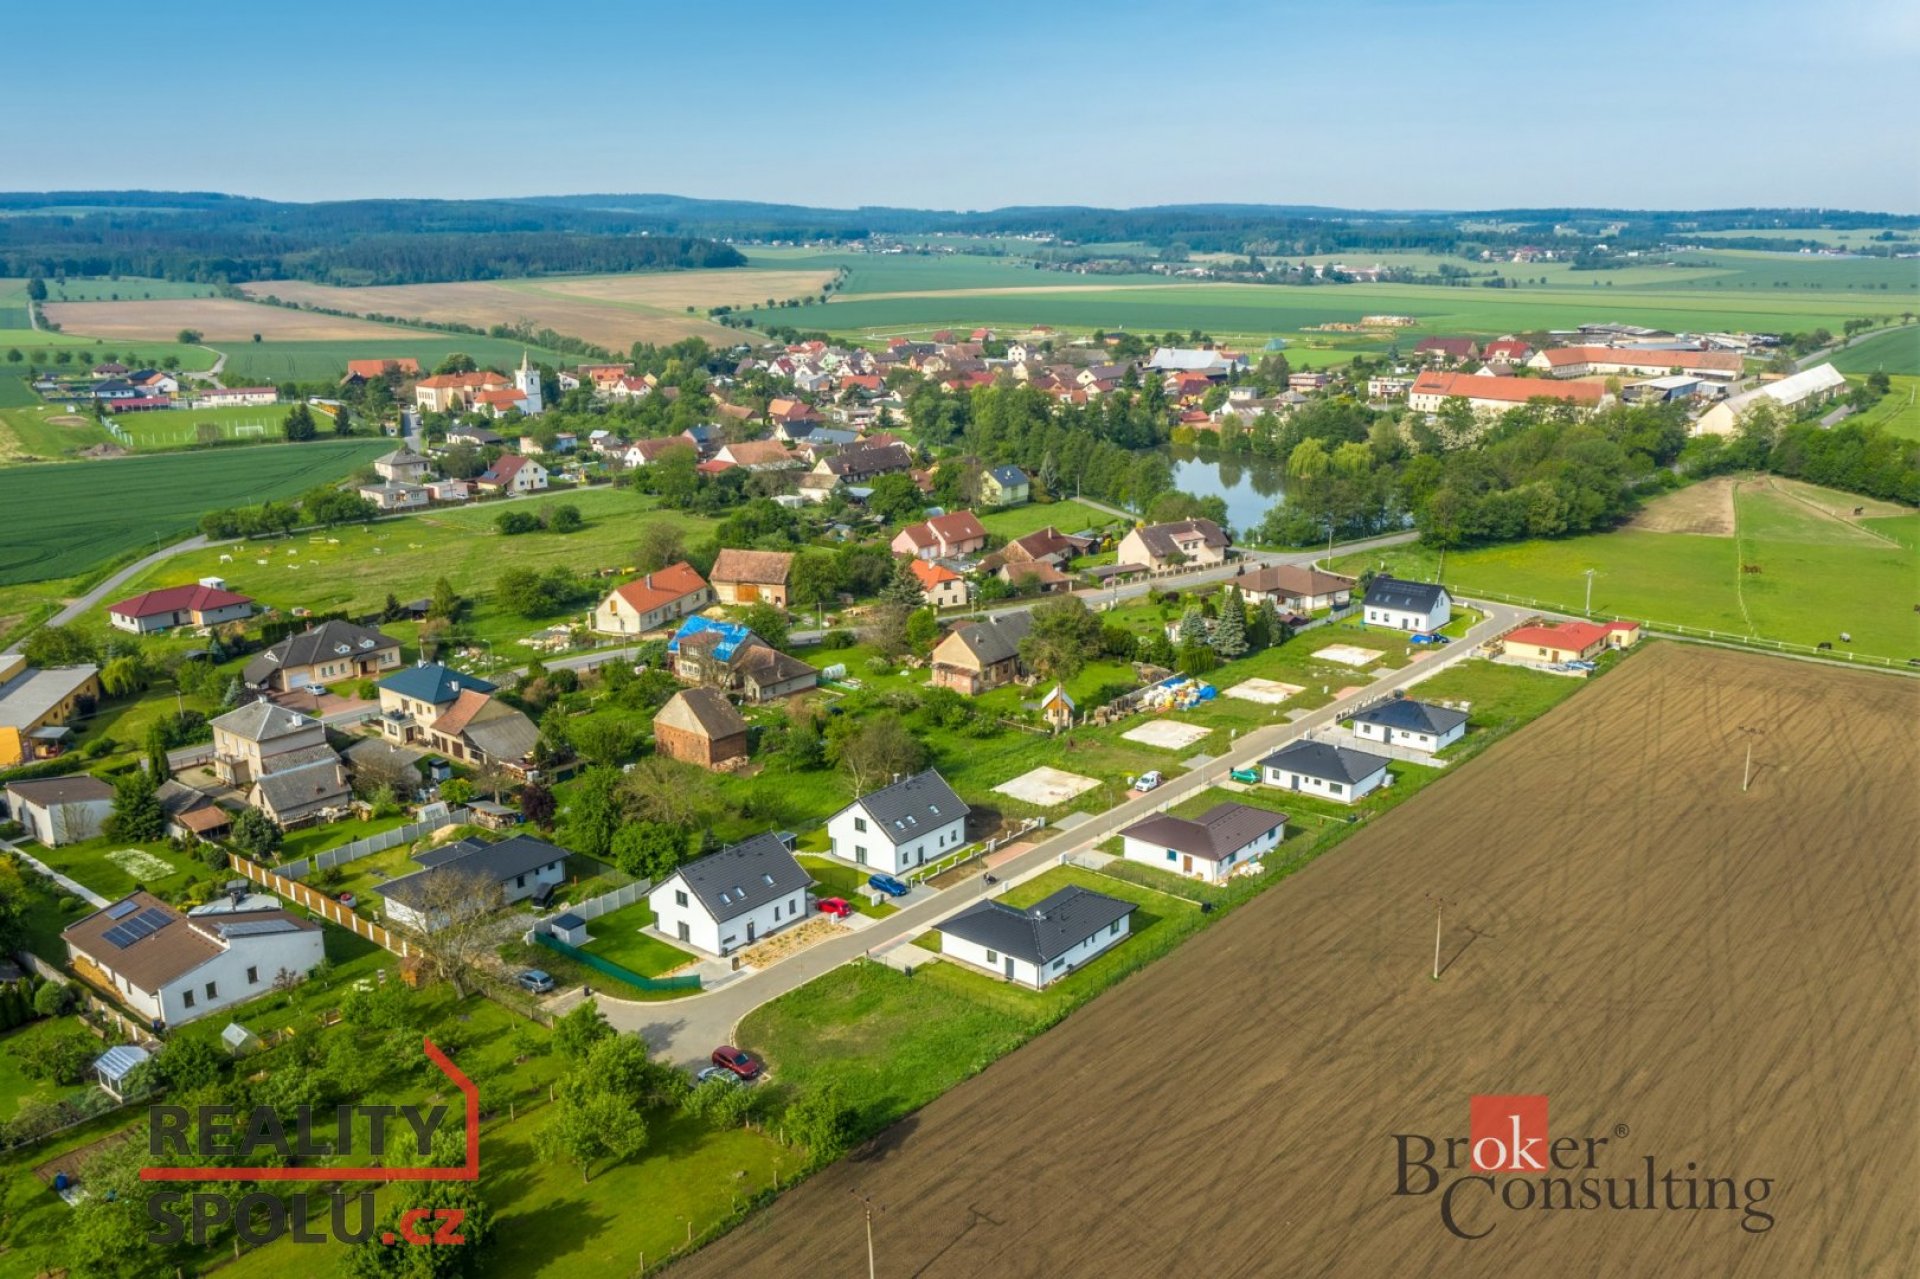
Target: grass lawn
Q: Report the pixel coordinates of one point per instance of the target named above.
(1066, 515)
(1898, 412)
(316, 839)
(115, 867)
(365, 876)
(617, 936)
(15, 1087)
(1818, 575)
(837, 879)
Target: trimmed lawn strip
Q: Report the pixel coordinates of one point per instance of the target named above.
(617, 937)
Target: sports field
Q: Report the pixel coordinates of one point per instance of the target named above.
(1715, 980)
(65, 519)
(1818, 569)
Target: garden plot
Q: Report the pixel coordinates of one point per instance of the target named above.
(1270, 691)
(1349, 654)
(142, 865)
(1169, 734)
(1046, 787)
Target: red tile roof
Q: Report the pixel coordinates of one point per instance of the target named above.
(1573, 637)
(405, 364)
(1508, 390)
(931, 574)
(175, 599)
(655, 590)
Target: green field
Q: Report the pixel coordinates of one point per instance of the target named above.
(276, 362)
(1897, 351)
(1898, 413)
(1818, 574)
(355, 568)
(1068, 516)
(65, 520)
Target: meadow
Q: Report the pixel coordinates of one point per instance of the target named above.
(1898, 412)
(1896, 351)
(1819, 571)
(66, 520)
(271, 363)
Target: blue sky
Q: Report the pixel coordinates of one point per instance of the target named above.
(1359, 103)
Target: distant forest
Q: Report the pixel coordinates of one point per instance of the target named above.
(222, 239)
(229, 239)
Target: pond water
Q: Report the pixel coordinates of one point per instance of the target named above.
(1250, 486)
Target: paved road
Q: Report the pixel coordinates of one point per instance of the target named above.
(1826, 353)
(113, 581)
(687, 1030)
(77, 889)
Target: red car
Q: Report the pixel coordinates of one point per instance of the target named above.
(727, 1057)
(347, 899)
(835, 906)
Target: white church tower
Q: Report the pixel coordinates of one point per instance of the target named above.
(527, 381)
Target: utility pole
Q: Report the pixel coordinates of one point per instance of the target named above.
(1590, 573)
(1746, 773)
(1439, 906)
(867, 1202)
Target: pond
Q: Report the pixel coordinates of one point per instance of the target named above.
(1250, 486)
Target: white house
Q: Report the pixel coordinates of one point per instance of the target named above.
(1407, 606)
(734, 897)
(1041, 943)
(60, 810)
(1330, 772)
(1208, 847)
(1417, 726)
(521, 865)
(171, 968)
(907, 824)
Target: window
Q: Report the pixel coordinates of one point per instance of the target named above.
(993, 957)
(860, 854)
(679, 897)
(1113, 929)
(1336, 788)
(253, 976)
(1058, 964)
(1172, 856)
(860, 825)
(186, 998)
(520, 882)
(776, 912)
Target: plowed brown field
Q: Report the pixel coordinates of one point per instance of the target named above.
(217, 320)
(1695, 974)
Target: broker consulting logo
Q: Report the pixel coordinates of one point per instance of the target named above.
(318, 1216)
(1509, 1163)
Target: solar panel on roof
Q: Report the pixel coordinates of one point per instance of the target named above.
(258, 927)
(120, 910)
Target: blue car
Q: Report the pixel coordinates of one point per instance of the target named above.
(888, 885)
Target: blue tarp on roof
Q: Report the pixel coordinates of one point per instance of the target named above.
(731, 634)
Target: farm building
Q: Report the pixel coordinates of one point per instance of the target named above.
(700, 726)
(320, 655)
(1207, 847)
(36, 705)
(214, 397)
(982, 655)
(1418, 726)
(171, 968)
(520, 865)
(60, 810)
(751, 577)
(1040, 943)
(1593, 361)
(653, 601)
(398, 366)
(734, 897)
(1489, 395)
(203, 604)
(898, 827)
(1794, 393)
(1443, 350)
(1568, 641)
(1331, 772)
(1408, 606)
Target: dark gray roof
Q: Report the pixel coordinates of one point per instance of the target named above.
(1043, 930)
(997, 638)
(568, 921)
(1419, 717)
(1010, 475)
(913, 806)
(744, 877)
(1215, 835)
(1415, 597)
(505, 860)
(1329, 763)
(325, 642)
(432, 683)
(49, 792)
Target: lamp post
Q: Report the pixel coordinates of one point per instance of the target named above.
(868, 1204)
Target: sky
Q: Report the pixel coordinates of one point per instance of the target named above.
(1439, 104)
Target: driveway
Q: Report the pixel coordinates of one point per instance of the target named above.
(77, 889)
(685, 1031)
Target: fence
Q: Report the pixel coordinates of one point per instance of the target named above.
(370, 845)
(604, 904)
(1678, 631)
(690, 981)
(320, 904)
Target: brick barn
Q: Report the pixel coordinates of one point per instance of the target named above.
(700, 726)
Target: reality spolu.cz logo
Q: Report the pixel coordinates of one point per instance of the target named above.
(257, 1216)
(1509, 1160)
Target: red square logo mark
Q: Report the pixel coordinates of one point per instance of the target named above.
(1509, 1133)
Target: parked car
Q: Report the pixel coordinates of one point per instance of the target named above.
(838, 907)
(1583, 666)
(535, 982)
(1147, 781)
(889, 885)
(711, 1073)
(735, 1062)
(1247, 775)
(347, 900)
